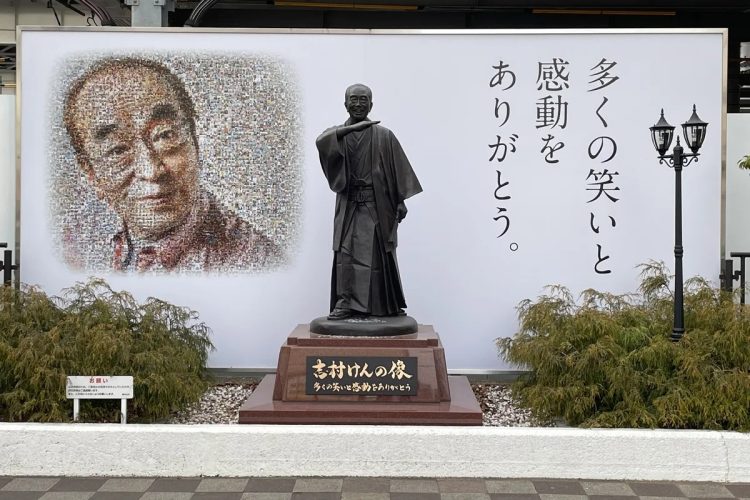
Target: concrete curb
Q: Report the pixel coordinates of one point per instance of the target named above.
(286, 450)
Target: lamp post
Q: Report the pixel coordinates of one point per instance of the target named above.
(694, 131)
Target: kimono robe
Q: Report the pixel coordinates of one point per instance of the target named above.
(370, 174)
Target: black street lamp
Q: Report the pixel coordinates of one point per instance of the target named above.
(694, 131)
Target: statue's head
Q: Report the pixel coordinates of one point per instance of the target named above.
(358, 102)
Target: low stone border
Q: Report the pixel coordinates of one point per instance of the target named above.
(285, 450)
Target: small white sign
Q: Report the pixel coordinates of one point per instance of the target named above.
(99, 387)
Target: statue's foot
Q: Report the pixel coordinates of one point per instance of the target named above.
(400, 312)
(340, 313)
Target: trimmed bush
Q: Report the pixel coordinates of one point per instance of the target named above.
(607, 361)
(93, 330)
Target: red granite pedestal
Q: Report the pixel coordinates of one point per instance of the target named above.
(427, 397)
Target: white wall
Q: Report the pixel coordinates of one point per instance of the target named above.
(8, 170)
(738, 186)
(147, 450)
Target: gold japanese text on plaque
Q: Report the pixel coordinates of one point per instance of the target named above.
(374, 376)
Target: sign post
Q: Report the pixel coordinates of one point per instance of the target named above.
(100, 387)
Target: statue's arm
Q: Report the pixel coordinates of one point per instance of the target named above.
(344, 130)
(332, 160)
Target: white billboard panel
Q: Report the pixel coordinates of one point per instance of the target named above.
(533, 150)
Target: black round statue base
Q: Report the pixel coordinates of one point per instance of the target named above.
(365, 326)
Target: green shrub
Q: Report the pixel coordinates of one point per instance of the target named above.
(93, 330)
(607, 360)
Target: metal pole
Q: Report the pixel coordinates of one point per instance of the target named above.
(741, 273)
(7, 266)
(123, 411)
(76, 408)
(727, 276)
(742, 280)
(679, 325)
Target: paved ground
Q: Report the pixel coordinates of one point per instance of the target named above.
(55, 488)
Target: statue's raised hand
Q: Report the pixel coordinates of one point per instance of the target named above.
(355, 127)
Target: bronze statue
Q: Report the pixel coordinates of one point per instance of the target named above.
(371, 176)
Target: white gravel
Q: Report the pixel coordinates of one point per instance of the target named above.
(500, 409)
(221, 403)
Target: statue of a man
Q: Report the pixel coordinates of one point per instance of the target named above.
(371, 176)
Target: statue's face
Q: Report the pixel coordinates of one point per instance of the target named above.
(358, 103)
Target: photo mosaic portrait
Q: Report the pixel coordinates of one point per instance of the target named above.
(166, 162)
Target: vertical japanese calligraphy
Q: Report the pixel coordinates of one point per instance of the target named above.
(553, 77)
(503, 79)
(553, 81)
(601, 181)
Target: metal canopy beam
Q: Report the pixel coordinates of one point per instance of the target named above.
(735, 5)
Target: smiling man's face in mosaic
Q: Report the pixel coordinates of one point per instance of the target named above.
(136, 144)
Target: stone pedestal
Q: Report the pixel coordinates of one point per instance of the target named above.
(322, 379)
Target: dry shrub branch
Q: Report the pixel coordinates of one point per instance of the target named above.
(94, 330)
(606, 360)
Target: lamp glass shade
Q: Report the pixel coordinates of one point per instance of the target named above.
(694, 131)
(661, 135)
